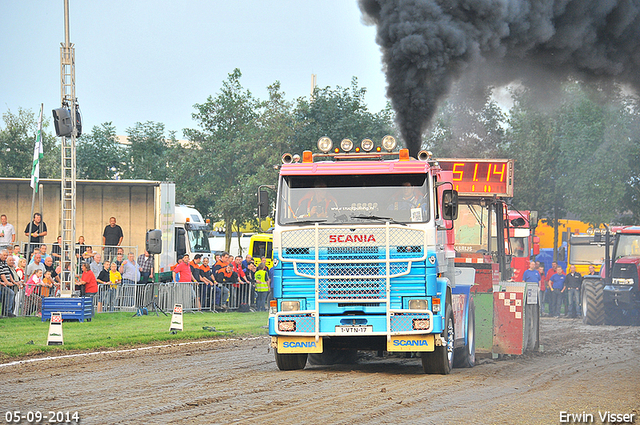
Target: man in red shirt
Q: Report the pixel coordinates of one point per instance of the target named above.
(243, 296)
(184, 270)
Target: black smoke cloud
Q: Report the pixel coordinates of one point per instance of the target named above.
(426, 45)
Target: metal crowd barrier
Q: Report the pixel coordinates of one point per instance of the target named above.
(15, 301)
(192, 296)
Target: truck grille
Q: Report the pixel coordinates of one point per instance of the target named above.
(352, 264)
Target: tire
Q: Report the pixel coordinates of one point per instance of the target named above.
(440, 361)
(614, 317)
(466, 356)
(593, 303)
(290, 361)
(331, 357)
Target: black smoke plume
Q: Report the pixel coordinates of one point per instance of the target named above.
(428, 44)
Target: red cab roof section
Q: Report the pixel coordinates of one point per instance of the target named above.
(630, 229)
(355, 167)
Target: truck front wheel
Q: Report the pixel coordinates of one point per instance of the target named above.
(440, 361)
(291, 361)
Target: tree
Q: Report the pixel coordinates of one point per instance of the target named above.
(338, 113)
(574, 158)
(468, 127)
(147, 152)
(99, 156)
(17, 140)
(594, 129)
(214, 171)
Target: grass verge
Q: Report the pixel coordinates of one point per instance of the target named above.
(27, 336)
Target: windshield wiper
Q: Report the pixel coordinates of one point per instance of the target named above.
(309, 221)
(377, 218)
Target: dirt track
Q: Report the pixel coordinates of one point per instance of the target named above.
(582, 369)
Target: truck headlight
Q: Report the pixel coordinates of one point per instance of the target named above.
(417, 304)
(290, 306)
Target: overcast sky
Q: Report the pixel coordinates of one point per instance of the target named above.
(143, 60)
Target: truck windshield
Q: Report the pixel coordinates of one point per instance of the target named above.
(628, 245)
(199, 240)
(586, 254)
(520, 246)
(349, 199)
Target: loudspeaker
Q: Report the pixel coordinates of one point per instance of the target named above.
(154, 241)
(78, 121)
(62, 121)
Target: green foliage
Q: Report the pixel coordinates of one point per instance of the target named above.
(17, 140)
(146, 155)
(120, 330)
(574, 158)
(338, 113)
(579, 156)
(219, 161)
(532, 142)
(99, 156)
(468, 127)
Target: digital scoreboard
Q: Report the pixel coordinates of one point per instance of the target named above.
(481, 177)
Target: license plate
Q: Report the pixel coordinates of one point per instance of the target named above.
(367, 329)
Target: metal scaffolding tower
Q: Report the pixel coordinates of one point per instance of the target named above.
(68, 156)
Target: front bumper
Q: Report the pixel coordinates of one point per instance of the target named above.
(622, 296)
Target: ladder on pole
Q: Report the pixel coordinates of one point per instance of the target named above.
(68, 165)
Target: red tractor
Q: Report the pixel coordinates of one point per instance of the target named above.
(614, 298)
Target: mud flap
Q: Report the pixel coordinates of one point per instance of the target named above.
(299, 344)
(411, 343)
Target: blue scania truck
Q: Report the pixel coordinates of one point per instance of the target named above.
(363, 249)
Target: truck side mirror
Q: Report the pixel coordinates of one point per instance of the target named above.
(263, 203)
(181, 242)
(154, 241)
(450, 204)
(533, 219)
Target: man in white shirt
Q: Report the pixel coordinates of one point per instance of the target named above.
(7, 234)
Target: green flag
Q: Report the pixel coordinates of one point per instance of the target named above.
(37, 154)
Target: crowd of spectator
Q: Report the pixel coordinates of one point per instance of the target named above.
(558, 291)
(230, 282)
(28, 275)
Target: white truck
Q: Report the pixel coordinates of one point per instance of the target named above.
(183, 229)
